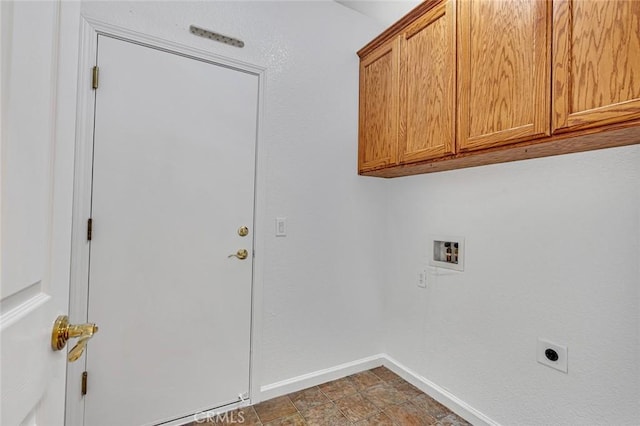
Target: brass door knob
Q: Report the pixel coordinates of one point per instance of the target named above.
(241, 254)
(63, 331)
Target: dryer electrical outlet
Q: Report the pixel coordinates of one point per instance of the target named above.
(553, 355)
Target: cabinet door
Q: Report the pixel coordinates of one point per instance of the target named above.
(503, 71)
(596, 64)
(378, 127)
(427, 86)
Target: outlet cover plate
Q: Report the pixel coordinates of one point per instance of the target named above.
(561, 364)
(422, 279)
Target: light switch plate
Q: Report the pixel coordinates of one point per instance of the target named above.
(281, 226)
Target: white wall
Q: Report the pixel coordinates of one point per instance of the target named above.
(321, 284)
(384, 12)
(552, 250)
(552, 244)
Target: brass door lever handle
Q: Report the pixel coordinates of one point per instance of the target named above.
(63, 331)
(241, 254)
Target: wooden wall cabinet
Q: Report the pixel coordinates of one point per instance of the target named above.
(462, 83)
(427, 86)
(504, 50)
(407, 94)
(596, 64)
(378, 124)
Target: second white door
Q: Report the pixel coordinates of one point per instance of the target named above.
(173, 181)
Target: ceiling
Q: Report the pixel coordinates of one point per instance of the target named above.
(386, 12)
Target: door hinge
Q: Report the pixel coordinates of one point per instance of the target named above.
(89, 229)
(95, 75)
(84, 383)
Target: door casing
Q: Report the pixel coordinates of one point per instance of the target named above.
(90, 29)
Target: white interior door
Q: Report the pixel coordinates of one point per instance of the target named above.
(39, 64)
(173, 181)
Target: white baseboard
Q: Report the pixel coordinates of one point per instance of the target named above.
(438, 393)
(204, 416)
(315, 378)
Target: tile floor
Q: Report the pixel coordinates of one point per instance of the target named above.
(374, 397)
